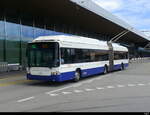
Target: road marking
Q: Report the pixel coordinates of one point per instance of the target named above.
(14, 82)
(110, 87)
(78, 91)
(53, 95)
(89, 89)
(66, 93)
(8, 78)
(99, 88)
(140, 84)
(58, 90)
(26, 99)
(77, 85)
(120, 86)
(131, 85)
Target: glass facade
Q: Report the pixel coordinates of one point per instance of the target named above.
(14, 37)
(16, 30)
(2, 38)
(1, 49)
(12, 42)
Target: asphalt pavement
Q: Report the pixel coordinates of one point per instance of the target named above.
(120, 91)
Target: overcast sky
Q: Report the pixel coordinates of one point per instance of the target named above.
(134, 12)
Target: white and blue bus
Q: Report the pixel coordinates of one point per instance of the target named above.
(60, 58)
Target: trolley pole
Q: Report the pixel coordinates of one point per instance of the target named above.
(147, 46)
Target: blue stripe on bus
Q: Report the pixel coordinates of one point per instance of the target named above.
(56, 78)
(93, 71)
(70, 75)
(117, 67)
(66, 76)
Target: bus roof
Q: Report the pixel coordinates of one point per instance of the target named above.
(79, 42)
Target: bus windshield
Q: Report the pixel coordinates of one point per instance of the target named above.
(43, 54)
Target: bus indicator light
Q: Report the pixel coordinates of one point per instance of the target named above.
(34, 46)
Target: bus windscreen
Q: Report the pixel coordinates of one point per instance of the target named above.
(42, 54)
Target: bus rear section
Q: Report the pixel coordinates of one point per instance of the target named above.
(121, 60)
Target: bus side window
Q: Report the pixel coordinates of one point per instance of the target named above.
(62, 56)
(116, 56)
(86, 55)
(92, 55)
(66, 56)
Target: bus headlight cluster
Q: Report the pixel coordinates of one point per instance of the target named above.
(55, 73)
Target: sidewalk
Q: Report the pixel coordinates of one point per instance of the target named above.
(12, 74)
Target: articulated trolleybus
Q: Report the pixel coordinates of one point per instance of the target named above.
(60, 58)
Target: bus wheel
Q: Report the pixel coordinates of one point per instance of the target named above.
(77, 76)
(122, 66)
(105, 69)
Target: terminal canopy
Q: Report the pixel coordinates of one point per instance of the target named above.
(69, 12)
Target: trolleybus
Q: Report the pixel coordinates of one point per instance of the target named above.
(60, 58)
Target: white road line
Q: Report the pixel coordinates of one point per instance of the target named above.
(53, 95)
(131, 85)
(26, 99)
(140, 84)
(66, 93)
(78, 91)
(100, 88)
(58, 90)
(110, 87)
(120, 86)
(89, 89)
(77, 85)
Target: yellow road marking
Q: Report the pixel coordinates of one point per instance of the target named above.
(14, 82)
(10, 77)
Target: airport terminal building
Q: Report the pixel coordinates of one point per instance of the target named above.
(22, 21)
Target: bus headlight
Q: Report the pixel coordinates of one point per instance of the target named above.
(55, 73)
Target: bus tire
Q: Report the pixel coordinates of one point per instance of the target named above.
(77, 76)
(105, 69)
(122, 67)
